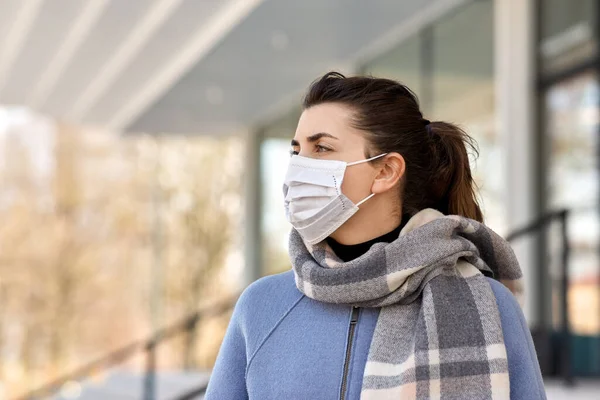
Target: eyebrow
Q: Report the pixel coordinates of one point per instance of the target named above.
(314, 138)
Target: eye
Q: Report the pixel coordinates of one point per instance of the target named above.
(293, 153)
(322, 149)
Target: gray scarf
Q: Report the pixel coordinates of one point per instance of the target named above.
(438, 334)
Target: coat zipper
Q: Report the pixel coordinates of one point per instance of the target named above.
(351, 328)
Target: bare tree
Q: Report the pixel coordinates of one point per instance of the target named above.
(75, 243)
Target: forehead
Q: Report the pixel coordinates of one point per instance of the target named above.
(332, 118)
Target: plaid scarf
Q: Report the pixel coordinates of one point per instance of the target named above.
(438, 334)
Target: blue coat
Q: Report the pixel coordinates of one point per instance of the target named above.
(281, 344)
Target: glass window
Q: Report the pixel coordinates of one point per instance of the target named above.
(572, 182)
(463, 93)
(567, 33)
(275, 227)
(463, 63)
(403, 63)
(275, 154)
(283, 127)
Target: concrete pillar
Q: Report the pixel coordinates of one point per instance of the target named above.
(253, 210)
(515, 50)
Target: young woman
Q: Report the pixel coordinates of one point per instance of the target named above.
(397, 288)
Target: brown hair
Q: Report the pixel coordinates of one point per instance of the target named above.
(438, 173)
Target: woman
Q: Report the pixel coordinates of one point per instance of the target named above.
(395, 289)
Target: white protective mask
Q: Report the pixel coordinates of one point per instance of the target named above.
(314, 202)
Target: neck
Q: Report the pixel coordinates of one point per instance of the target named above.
(371, 221)
(353, 251)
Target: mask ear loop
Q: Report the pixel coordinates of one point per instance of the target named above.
(367, 160)
(364, 161)
(365, 199)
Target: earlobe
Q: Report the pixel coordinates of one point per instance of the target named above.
(390, 173)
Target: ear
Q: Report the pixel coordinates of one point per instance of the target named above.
(391, 171)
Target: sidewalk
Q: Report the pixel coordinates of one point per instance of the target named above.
(583, 390)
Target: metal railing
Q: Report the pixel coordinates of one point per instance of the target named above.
(192, 394)
(539, 227)
(148, 345)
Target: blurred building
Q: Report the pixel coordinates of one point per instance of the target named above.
(521, 76)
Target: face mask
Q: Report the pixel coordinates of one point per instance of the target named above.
(314, 202)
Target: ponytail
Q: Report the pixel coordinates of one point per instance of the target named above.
(452, 182)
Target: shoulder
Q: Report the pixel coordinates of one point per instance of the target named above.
(277, 286)
(267, 298)
(511, 315)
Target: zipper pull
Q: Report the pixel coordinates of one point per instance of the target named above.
(354, 318)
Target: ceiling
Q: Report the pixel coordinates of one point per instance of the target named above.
(185, 66)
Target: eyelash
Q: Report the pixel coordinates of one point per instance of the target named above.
(320, 149)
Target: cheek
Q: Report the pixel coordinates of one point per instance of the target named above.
(357, 184)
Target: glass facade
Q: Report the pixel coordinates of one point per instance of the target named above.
(274, 156)
(567, 34)
(274, 225)
(404, 64)
(462, 64)
(570, 101)
(572, 182)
